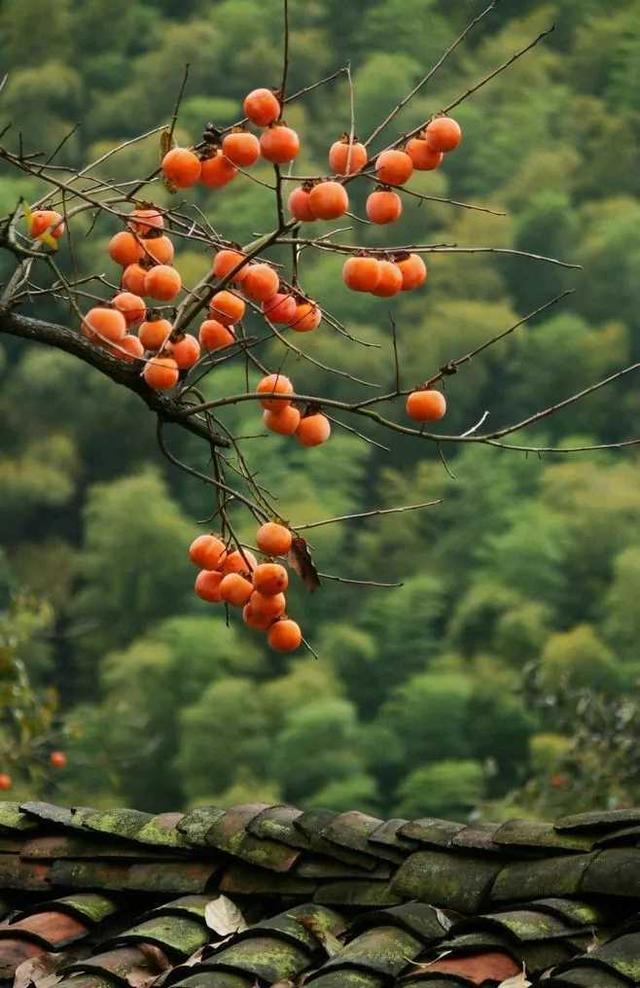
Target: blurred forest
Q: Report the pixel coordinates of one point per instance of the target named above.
(502, 676)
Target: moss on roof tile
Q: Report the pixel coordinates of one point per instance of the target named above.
(179, 935)
(454, 881)
(357, 892)
(267, 957)
(524, 881)
(382, 950)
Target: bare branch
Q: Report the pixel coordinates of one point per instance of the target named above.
(128, 376)
(430, 74)
(373, 513)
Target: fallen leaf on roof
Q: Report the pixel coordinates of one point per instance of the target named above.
(518, 981)
(330, 942)
(223, 917)
(40, 971)
(443, 919)
(146, 974)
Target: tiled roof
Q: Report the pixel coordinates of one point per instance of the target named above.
(340, 900)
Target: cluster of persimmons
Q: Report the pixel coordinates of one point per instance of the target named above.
(235, 577)
(133, 325)
(131, 332)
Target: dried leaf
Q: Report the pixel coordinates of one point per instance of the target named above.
(300, 560)
(41, 971)
(423, 967)
(517, 981)
(147, 973)
(444, 920)
(166, 141)
(330, 942)
(223, 916)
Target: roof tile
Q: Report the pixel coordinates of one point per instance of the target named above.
(457, 882)
(599, 820)
(383, 950)
(229, 833)
(527, 880)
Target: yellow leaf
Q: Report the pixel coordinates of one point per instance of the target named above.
(47, 238)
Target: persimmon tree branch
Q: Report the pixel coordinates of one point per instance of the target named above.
(70, 341)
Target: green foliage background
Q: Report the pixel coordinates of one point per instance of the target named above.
(520, 591)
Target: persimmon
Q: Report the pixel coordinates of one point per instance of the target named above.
(238, 562)
(280, 308)
(307, 318)
(427, 405)
(262, 107)
(186, 351)
(160, 249)
(133, 278)
(279, 144)
(347, 157)
(274, 539)
(276, 384)
(6, 782)
(241, 148)
(217, 171)
(313, 430)
(284, 636)
(214, 335)
(227, 308)
(225, 261)
(443, 134)
(161, 373)
(106, 324)
(360, 274)
(131, 306)
(46, 220)
(129, 349)
(124, 248)
(181, 167)
(389, 279)
(270, 606)
(329, 200)
(261, 622)
(207, 585)
(424, 157)
(299, 203)
(284, 422)
(394, 167)
(270, 579)
(261, 282)
(383, 206)
(235, 589)
(58, 759)
(413, 270)
(154, 334)
(206, 551)
(145, 220)
(162, 282)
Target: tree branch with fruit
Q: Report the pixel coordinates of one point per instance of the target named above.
(149, 333)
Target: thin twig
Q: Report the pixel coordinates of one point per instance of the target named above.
(360, 583)
(176, 109)
(430, 74)
(373, 513)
